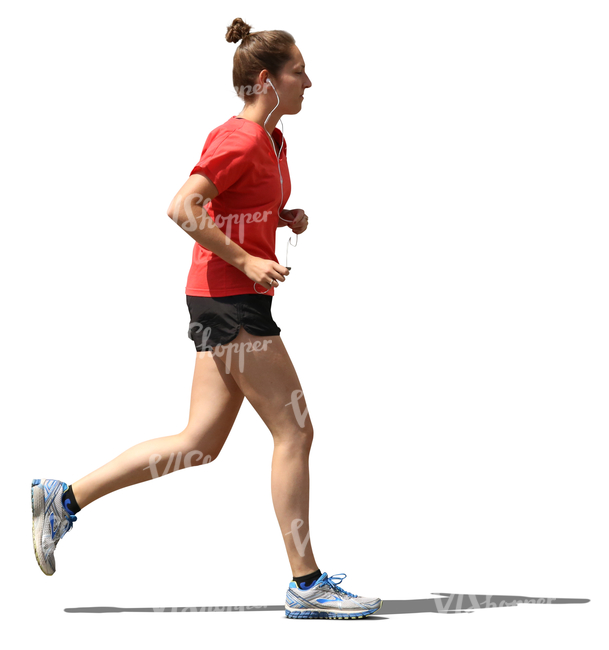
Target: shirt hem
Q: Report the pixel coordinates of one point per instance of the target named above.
(228, 291)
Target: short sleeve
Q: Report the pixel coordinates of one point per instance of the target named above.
(223, 160)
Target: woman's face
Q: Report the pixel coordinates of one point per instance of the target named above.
(292, 83)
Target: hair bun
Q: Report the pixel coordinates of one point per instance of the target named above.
(237, 31)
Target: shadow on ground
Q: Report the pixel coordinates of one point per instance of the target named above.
(442, 604)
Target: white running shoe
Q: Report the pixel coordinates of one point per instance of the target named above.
(50, 522)
(325, 599)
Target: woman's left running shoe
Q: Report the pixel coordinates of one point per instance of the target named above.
(325, 599)
(50, 522)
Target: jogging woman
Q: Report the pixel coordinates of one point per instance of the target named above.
(231, 205)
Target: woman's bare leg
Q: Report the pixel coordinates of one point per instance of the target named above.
(215, 402)
(268, 380)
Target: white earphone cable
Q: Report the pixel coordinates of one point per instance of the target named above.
(280, 178)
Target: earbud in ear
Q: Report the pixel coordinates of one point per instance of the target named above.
(268, 81)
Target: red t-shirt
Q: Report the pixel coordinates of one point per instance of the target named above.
(238, 158)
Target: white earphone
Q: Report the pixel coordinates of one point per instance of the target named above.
(279, 168)
(273, 143)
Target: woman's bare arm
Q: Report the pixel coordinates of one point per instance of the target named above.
(187, 210)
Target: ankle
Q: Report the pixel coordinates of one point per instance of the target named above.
(306, 580)
(68, 499)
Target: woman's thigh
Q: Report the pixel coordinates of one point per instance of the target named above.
(215, 401)
(263, 371)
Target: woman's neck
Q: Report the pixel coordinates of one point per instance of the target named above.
(258, 114)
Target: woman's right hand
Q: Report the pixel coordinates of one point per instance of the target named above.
(267, 273)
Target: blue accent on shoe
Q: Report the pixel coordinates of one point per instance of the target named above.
(52, 525)
(297, 605)
(65, 506)
(332, 615)
(303, 585)
(71, 519)
(49, 486)
(334, 584)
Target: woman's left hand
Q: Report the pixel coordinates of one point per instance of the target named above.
(298, 220)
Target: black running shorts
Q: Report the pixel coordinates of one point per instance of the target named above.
(217, 320)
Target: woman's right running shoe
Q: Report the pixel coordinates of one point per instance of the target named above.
(325, 599)
(50, 522)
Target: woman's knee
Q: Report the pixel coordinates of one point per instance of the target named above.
(195, 451)
(298, 437)
(307, 430)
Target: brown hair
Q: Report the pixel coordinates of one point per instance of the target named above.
(268, 50)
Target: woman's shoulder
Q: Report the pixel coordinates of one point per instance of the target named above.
(235, 133)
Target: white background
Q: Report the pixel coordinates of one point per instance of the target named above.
(447, 315)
